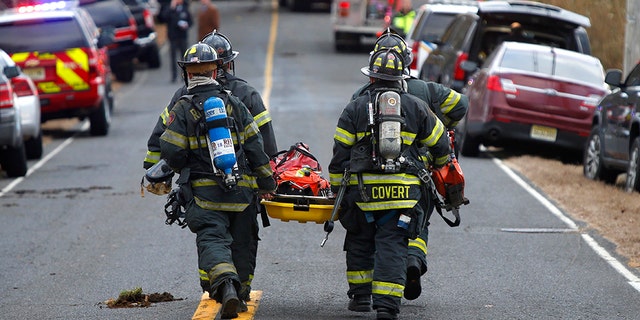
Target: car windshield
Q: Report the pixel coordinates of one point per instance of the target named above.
(435, 26)
(38, 35)
(552, 63)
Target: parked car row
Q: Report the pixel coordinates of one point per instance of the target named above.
(57, 61)
(530, 77)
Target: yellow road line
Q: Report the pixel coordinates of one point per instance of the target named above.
(268, 65)
(209, 308)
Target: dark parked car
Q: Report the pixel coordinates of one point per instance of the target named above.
(148, 46)
(614, 144)
(472, 36)
(534, 94)
(115, 15)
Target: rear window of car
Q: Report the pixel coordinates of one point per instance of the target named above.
(552, 63)
(42, 35)
(433, 28)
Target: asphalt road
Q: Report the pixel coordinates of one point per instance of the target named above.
(76, 231)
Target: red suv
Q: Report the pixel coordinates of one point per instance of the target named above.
(65, 55)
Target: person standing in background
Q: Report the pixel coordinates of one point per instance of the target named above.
(179, 21)
(208, 18)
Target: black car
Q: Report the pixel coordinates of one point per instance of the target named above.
(115, 15)
(473, 36)
(613, 147)
(148, 46)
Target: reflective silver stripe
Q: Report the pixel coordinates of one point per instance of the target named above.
(249, 131)
(247, 181)
(360, 277)
(387, 205)
(175, 138)
(220, 206)
(418, 243)
(407, 137)
(452, 100)
(264, 170)
(387, 288)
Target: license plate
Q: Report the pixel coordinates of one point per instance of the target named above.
(35, 74)
(543, 133)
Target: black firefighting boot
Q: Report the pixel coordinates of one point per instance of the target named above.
(229, 300)
(360, 303)
(412, 287)
(386, 314)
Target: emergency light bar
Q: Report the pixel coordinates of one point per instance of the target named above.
(34, 6)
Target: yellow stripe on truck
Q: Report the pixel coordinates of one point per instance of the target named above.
(69, 75)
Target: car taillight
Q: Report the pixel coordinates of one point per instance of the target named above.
(414, 52)
(148, 19)
(458, 73)
(23, 86)
(6, 96)
(96, 67)
(591, 102)
(127, 33)
(495, 83)
(343, 8)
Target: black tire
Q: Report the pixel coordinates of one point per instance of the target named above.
(100, 120)
(467, 145)
(300, 5)
(153, 57)
(592, 161)
(14, 161)
(33, 147)
(109, 95)
(632, 182)
(124, 72)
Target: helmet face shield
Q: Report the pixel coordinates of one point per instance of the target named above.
(386, 64)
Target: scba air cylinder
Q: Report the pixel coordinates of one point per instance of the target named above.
(390, 141)
(221, 145)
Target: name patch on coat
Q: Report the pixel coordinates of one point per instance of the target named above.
(390, 192)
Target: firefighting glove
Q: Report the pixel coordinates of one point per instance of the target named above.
(266, 184)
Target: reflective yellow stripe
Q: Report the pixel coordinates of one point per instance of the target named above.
(373, 178)
(262, 118)
(247, 181)
(220, 206)
(435, 135)
(152, 157)
(387, 205)
(249, 131)
(335, 178)
(360, 277)
(20, 57)
(442, 160)
(49, 87)
(220, 269)
(452, 100)
(407, 137)
(344, 136)
(418, 243)
(165, 116)
(175, 138)
(204, 276)
(264, 170)
(387, 289)
(69, 75)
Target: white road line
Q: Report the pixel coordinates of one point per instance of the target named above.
(36, 166)
(632, 279)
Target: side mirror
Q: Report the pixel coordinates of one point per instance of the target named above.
(468, 66)
(613, 77)
(11, 71)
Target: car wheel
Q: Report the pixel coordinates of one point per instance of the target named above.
(592, 161)
(153, 57)
(14, 161)
(468, 146)
(100, 120)
(124, 72)
(632, 183)
(33, 147)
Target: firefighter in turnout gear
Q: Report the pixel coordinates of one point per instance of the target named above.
(450, 107)
(253, 101)
(381, 209)
(217, 211)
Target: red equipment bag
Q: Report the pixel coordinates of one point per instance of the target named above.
(449, 181)
(298, 172)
